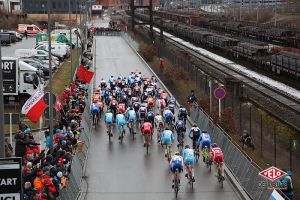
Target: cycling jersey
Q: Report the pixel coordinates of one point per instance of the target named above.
(131, 115)
(182, 112)
(95, 108)
(108, 118)
(150, 101)
(136, 106)
(172, 108)
(172, 101)
(146, 128)
(205, 140)
(168, 115)
(216, 154)
(194, 134)
(167, 137)
(161, 104)
(188, 156)
(120, 119)
(180, 126)
(121, 108)
(159, 121)
(176, 163)
(151, 116)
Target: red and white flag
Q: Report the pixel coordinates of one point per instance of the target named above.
(58, 105)
(34, 107)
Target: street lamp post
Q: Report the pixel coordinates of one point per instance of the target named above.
(50, 77)
(70, 26)
(2, 149)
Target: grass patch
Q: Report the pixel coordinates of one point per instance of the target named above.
(64, 75)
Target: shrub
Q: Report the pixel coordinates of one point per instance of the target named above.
(147, 52)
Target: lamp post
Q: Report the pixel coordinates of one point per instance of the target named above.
(50, 77)
(70, 26)
(2, 149)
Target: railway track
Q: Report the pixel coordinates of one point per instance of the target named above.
(281, 97)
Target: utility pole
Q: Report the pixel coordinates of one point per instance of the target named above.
(49, 5)
(2, 149)
(70, 26)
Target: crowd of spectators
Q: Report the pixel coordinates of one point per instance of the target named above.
(46, 171)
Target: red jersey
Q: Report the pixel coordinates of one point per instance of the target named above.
(113, 102)
(147, 128)
(216, 154)
(121, 108)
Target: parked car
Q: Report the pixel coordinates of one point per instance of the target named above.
(5, 39)
(13, 37)
(38, 65)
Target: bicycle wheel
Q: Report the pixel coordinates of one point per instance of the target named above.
(147, 143)
(121, 135)
(220, 177)
(168, 153)
(176, 184)
(109, 133)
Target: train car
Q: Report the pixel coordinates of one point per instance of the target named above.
(286, 62)
(250, 51)
(221, 42)
(200, 36)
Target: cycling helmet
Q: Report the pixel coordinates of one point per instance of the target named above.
(180, 106)
(177, 153)
(187, 146)
(214, 145)
(204, 131)
(194, 125)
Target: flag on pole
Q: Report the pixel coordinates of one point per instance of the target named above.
(34, 107)
(84, 74)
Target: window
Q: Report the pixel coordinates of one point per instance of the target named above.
(29, 28)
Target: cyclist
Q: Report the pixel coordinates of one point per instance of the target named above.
(95, 110)
(204, 141)
(103, 84)
(142, 112)
(168, 116)
(167, 138)
(113, 105)
(216, 156)
(188, 155)
(164, 95)
(121, 108)
(146, 129)
(111, 79)
(182, 112)
(180, 129)
(191, 99)
(131, 117)
(150, 116)
(150, 101)
(136, 106)
(176, 163)
(159, 124)
(160, 105)
(194, 134)
(172, 108)
(172, 100)
(121, 121)
(108, 119)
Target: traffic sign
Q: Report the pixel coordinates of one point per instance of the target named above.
(272, 173)
(220, 93)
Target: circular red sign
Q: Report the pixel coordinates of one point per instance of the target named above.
(220, 93)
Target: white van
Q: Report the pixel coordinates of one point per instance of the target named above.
(59, 50)
(26, 53)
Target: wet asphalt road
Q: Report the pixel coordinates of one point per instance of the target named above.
(9, 51)
(124, 171)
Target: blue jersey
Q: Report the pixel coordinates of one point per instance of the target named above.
(167, 137)
(176, 163)
(180, 126)
(131, 115)
(108, 118)
(120, 119)
(95, 108)
(205, 139)
(168, 115)
(188, 156)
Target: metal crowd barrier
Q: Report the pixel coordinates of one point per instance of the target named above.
(237, 162)
(107, 33)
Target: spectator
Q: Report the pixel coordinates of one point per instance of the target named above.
(161, 65)
(287, 184)
(26, 34)
(8, 149)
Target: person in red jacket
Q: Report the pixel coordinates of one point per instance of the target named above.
(146, 129)
(216, 156)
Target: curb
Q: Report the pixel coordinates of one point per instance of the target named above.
(227, 172)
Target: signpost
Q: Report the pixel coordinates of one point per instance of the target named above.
(10, 76)
(220, 93)
(11, 178)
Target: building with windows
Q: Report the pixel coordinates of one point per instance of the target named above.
(11, 6)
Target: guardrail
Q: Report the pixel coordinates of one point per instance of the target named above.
(244, 170)
(73, 189)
